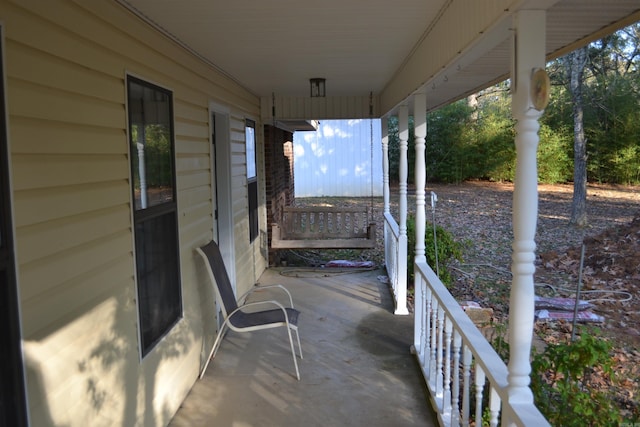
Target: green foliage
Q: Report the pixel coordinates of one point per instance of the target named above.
(157, 155)
(499, 340)
(495, 135)
(469, 141)
(613, 132)
(561, 382)
(448, 249)
(554, 155)
(448, 153)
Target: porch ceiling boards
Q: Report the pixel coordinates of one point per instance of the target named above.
(363, 46)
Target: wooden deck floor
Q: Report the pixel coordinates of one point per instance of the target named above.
(357, 368)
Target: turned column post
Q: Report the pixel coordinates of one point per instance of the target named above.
(529, 55)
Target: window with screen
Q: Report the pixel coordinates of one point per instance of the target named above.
(252, 178)
(151, 146)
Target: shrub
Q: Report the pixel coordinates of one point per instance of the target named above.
(562, 382)
(448, 250)
(554, 155)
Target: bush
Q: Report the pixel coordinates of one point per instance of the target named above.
(555, 152)
(448, 250)
(562, 386)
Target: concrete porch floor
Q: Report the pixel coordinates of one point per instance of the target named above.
(357, 368)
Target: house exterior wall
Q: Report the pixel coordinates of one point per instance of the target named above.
(66, 64)
(279, 180)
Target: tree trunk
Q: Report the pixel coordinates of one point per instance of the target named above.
(576, 64)
(472, 101)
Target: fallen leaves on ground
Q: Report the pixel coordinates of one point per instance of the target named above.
(479, 214)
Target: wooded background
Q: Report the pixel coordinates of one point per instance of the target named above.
(474, 137)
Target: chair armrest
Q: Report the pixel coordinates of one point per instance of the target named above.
(259, 288)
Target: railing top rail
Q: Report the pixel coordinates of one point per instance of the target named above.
(393, 225)
(524, 414)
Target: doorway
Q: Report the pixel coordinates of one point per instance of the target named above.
(221, 185)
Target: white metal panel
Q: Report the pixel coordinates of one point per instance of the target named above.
(342, 158)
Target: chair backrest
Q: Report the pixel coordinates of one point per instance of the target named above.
(218, 272)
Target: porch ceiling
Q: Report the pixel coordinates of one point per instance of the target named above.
(363, 46)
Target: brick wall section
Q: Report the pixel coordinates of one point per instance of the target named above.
(279, 177)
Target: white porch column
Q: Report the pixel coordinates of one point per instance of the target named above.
(385, 162)
(419, 289)
(420, 132)
(403, 131)
(529, 49)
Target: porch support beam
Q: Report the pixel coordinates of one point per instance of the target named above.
(385, 162)
(528, 54)
(403, 133)
(420, 133)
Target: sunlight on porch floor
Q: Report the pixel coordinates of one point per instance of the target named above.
(357, 368)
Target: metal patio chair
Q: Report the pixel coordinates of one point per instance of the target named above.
(234, 315)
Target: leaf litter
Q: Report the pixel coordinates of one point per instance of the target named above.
(479, 214)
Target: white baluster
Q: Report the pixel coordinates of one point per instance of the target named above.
(448, 329)
(494, 407)
(434, 336)
(479, 384)
(418, 313)
(439, 382)
(427, 326)
(466, 380)
(455, 389)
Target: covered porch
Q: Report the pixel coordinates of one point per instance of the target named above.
(450, 49)
(357, 368)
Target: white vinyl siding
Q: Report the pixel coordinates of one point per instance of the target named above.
(66, 65)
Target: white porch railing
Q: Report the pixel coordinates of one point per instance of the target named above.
(391, 235)
(466, 378)
(396, 271)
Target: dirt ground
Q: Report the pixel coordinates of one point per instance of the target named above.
(479, 215)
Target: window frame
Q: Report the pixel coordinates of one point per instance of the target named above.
(251, 153)
(169, 286)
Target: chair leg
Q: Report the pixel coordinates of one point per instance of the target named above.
(299, 346)
(214, 349)
(293, 353)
